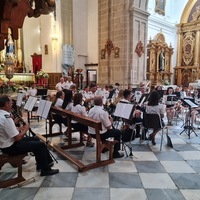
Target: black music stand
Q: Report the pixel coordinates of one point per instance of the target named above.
(144, 98)
(29, 107)
(188, 128)
(171, 100)
(43, 112)
(124, 111)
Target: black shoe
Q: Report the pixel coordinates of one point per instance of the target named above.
(49, 165)
(137, 135)
(49, 172)
(118, 155)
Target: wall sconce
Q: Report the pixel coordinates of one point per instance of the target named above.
(9, 69)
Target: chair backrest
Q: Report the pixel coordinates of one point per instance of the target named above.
(152, 121)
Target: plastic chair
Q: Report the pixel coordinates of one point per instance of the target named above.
(153, 121)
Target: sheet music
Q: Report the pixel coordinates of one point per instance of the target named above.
(123, 110)
(190, 103)
(46, 109)
(30, 103)
(43, 108)
(33, 102)
(20, 97)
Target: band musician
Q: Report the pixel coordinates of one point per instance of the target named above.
(13, 142)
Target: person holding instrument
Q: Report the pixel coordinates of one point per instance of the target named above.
(13, 142)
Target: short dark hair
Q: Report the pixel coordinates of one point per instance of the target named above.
(126, 93)
(3, 100)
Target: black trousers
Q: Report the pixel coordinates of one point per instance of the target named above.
(31, 144)
(111, 133)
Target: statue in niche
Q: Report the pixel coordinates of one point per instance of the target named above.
(10, 49)
(162, 61)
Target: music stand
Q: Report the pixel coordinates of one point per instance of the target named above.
(188, 128)
(124, 111)
(171, 100)
(143, 99)
(43, 112)
(29, 107)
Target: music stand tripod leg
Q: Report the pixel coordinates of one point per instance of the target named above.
(47, 143)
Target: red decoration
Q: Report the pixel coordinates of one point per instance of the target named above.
(139, 49)
(37, 62)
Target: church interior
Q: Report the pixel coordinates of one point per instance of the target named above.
(121, 45)
(119, 41)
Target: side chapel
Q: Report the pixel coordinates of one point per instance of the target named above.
(159, 55)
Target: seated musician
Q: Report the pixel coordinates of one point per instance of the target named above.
(136, 114)
(169, 106)
(154, 107)
(98, 113)
(32, 91)
(58, 102)
(13, 142)
(81, 110)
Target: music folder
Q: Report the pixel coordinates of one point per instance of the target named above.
(43, 108)
(30, 103)
(124, 110)
(189, 103)
(171, 99)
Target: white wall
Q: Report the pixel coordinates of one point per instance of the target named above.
(38, 32)
(92, 31)
(80, 26)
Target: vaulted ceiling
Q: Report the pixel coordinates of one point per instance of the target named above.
(13, 12)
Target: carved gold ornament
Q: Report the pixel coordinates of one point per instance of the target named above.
(188, 47)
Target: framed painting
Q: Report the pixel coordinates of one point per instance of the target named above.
(160, 6)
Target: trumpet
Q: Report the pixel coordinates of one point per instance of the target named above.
(21, 120)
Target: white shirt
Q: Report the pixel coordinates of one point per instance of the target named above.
(79, 109)
(59, 102)
(32, 92)
(60, 86)
(158, 109)
(68, 84)
(8, 129)
(101, 115)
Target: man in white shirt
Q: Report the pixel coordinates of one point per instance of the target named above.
(32, 91)
(69, 82)
(61, 85)
(107, 131)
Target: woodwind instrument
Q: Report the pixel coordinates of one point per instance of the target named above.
(21, 120)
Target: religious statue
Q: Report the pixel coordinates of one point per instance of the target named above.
(161, 61)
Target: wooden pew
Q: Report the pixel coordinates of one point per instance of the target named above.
(15, 161)
(99, 145)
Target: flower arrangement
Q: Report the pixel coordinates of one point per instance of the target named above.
(42, 74)
(7, 86)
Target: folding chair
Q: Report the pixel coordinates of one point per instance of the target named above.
(153, 121)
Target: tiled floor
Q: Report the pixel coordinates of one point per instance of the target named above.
(170, 174)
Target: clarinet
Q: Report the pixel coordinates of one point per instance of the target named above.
(16, 115)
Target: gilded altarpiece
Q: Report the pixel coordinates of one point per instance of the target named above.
(188, 58)
(159, 61)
